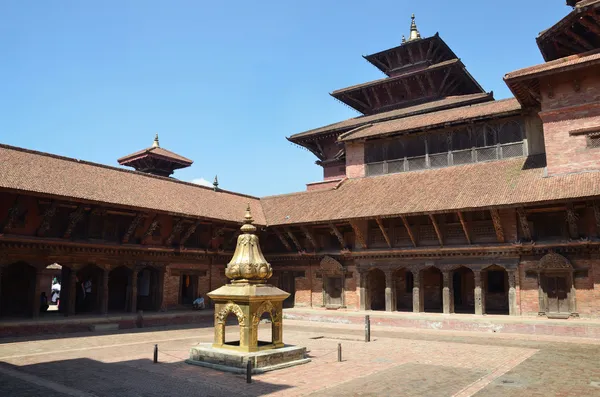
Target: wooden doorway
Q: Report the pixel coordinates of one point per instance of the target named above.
(334, 291)
(556, 288)
(287, 282)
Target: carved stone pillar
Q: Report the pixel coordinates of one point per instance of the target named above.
(362, 289)
(479, 293)
(390, 291)
(572, 297)
(447, 295)
(72, 296)
(513, 308)
(37, 292)
(417, 293)
(133, 291)
(541, 297)
(104, 303)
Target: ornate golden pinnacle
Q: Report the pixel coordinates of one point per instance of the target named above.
(248, 264)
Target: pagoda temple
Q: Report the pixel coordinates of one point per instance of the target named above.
(155, 160)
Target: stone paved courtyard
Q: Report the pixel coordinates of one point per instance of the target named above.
(398, 362)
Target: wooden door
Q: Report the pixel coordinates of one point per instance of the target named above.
(334, 290)
(287, 283)
(556, 288)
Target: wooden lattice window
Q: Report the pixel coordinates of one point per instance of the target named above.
(592, 141)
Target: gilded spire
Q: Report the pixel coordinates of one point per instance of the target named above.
(155, 143)
(414, 32)
(216, 184)
(248, 227)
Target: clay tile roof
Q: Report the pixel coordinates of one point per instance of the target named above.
(156, 151)
(436, 119)
(482, 185)
(451, 101)
(566, 63)
(62, 177)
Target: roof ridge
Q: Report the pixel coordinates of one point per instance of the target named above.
(109, 167)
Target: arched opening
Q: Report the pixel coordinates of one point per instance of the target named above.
(496, 290)
(87, 289)
(265, 329)
(18, 288)
(118, 289)
(404, 289)
(147, 289)
(232, 330)
(432, 284)
(52, 285)
(377, 289)
(463, 288)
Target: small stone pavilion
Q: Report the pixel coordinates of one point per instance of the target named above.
(247, 298)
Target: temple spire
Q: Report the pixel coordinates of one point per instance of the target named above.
(216, 184)
(155, 143)
(414, 32)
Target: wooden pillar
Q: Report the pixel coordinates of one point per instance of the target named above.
(37, 292)
(447, 295)
(160, 289)
(479, 293)
(541, 296)
(390, 291)
(513, 308)
(572, 296)
(418, 297)
(104, 303)
(362, 290)
(133, 291)
(72, 296)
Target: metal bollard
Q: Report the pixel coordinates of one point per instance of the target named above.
(155, 354)
(367, 328)
(339, 352)
(249, 372)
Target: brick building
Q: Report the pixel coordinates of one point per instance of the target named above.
(437, 198)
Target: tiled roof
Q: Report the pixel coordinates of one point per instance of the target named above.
(61, 177)
(578, 60)
(451, 101)
(481, 185)
(157, 151)
(436, 119)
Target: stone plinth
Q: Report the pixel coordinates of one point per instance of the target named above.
(205, 355)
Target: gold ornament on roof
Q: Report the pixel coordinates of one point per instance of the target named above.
(248, 264)
(414, 32)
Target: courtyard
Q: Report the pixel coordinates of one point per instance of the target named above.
(397, 362)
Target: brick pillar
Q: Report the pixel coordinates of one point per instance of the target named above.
(72, 296)
(479, 293)
(447, 295)
(104, 303)
(37, 292)
(513, 308)
(362, 290)
(390, 291)
(133, 291)
(160, 289)
(417, 293)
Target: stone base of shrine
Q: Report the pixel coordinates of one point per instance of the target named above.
(205, 355)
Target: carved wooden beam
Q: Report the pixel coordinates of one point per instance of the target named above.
(421, 85)
(429, 49)
(409, 231)
(421, 51)
(358, 101)
(443, 83)
(365, 94)
(523, 222)
(497, 225)
(464, 226)
(177, 228)
(590, 25)
(74, 218)
(569, 44)
(282, 239)
(188, 233)
(294, 239)
(13, 215)
(135, 222)
(451, 86)
(406, 88)
(572, 221)
(336, 232)
(309, 237)
(437, 229)
(385, 235)
(430, 80)
(377, 101)
(153, 226)
(358, 235)
(47, 219)
(588, 46)
(410, 55)
(233, 238)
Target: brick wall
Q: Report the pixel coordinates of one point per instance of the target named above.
(355, 160)
(334, 171)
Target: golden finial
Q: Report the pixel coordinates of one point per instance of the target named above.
(155, 143)
(403, 39)
(414, 32)
(248, 227)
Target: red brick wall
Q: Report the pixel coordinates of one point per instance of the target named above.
(566, 107)
(355, 160)
(334, 171)
(351, 297)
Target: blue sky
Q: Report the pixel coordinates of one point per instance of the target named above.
(224, 82)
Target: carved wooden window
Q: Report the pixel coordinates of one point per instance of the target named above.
(455, 232)
(427, 233)
(549, 225)
(96, 225)
(511, 131)
(110, 228)
(401, 237)
(21, 219)
(592, 141)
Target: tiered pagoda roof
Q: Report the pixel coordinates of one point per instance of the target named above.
(155, 160)
(419, 70)
(577, 32)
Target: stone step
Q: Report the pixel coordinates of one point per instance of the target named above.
(104, 327)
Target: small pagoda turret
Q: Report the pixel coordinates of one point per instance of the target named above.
(155, 160)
